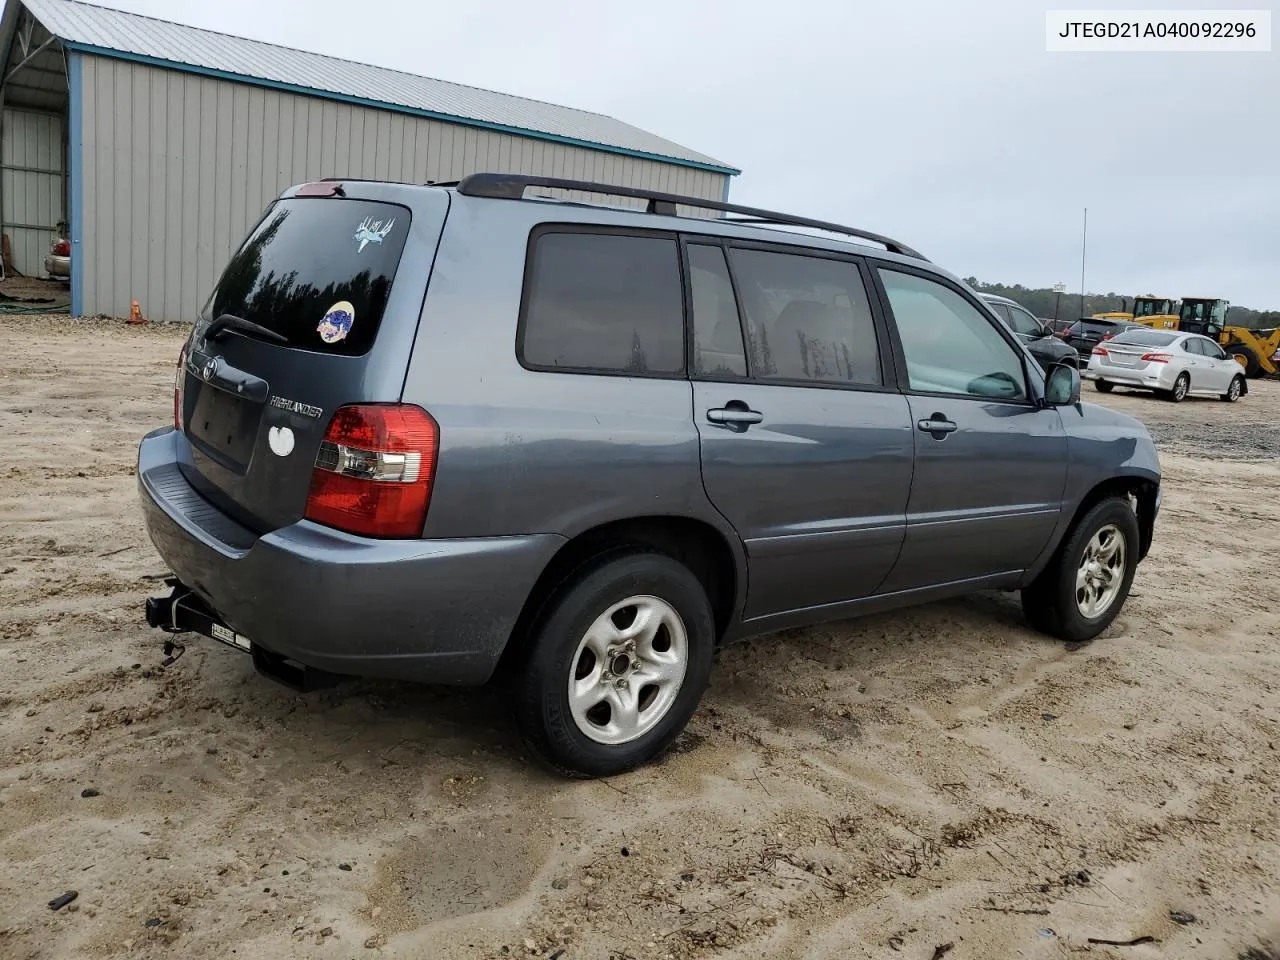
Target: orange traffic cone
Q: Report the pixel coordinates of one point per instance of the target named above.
(135, 314)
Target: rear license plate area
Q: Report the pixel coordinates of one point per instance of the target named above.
(224, 426)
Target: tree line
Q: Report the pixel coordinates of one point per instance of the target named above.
(1043, 302)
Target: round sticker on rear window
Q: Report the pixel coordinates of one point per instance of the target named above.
(337, 322)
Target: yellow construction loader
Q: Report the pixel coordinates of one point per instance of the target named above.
(1254, 350)
(1152, 311)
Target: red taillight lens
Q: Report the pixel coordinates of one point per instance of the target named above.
(179, 387)
(374, 470)
(1156, 357)
(62, 248)
(1100, 352)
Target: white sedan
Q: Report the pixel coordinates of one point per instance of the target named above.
(1172, 364)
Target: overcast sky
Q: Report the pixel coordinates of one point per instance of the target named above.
(941, 122)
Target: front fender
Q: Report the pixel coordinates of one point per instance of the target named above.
(1108, 454)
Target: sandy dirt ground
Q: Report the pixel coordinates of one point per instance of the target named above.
(876, 788)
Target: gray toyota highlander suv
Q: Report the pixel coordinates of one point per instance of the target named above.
(451, 433)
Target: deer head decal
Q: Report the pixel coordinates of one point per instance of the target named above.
(372, 231)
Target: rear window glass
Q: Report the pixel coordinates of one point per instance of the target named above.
(807, 318)
(316, 271)
(1146, 338)
(604, 303)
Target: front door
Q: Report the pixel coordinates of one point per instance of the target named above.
(1214, 370)
(991, 463)
(804, 449)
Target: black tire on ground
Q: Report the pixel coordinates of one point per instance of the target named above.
(1050, 603)
(1235, 390)
(1181, 387)
(1252, 367)
(1103, 386)
(541, 688)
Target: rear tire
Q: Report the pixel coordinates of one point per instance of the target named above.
(1181, 387)
(1103, 386)
(1236, 390)
(1055, 603)
(566, 696)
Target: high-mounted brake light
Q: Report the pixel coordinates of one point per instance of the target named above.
(321, 188)
(374, 470)
(1157, 357)
(179, 388)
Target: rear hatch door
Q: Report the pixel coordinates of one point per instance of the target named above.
(318, 308)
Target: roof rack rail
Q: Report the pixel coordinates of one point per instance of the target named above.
(511, 186)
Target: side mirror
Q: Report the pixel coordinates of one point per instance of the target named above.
(1062, 386)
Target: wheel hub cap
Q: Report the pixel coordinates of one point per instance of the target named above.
(628, 670)
(1101, 572)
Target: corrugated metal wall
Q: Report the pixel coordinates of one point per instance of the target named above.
(177, 167)
(32, 185)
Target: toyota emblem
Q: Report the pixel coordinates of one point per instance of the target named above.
(210, 368)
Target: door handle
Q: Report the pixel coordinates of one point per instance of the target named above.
(937, 426)
(735, 415)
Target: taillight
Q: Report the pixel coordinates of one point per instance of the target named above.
(62, 248)
(1100, 352)
(1157, 357)
(374, 470)
(179, 388)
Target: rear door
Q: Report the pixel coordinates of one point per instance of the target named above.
(806, 447)
(990, 463)
(332, 286)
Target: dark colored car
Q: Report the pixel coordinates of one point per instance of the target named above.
(1086, 333)
(448, 434)
(1033, 332)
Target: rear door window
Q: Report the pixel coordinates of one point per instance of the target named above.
(316, 271)
(717, 332)
(808, 319)
(1000, 311)
(599, 302)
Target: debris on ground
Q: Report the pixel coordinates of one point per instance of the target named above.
(58, 902)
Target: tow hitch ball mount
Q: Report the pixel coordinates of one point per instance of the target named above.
(162, 613)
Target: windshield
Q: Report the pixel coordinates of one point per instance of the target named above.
(1146, 338)
(317, 272)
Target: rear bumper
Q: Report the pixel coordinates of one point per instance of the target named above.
(1153, 377)
(56, 266)
(438, 611)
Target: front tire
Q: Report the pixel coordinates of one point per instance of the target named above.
(616, 666)
(1235, 390)
(1088, 580)
(1103, 386)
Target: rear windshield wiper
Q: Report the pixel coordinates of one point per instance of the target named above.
(228, 322)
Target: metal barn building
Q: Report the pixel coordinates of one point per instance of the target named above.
(161, 144)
